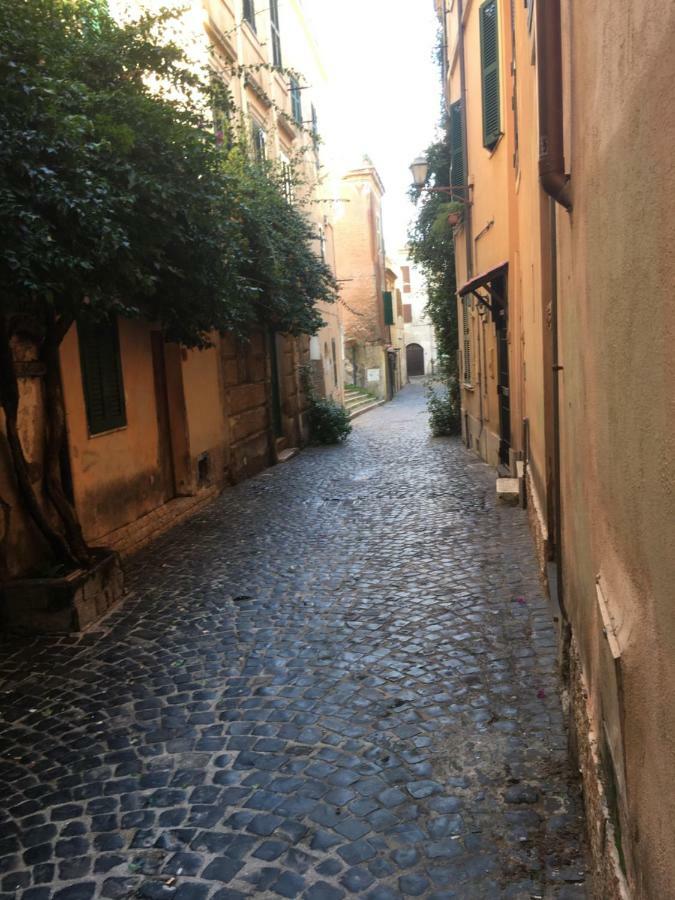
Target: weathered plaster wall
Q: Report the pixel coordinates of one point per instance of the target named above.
(206, 419)
(617, 270)
(116, 475)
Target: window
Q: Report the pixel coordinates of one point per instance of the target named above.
(259, 138)
(102, 376)
(315, 127)
(407, 313)
(286, 176)
(529, 6)
(322, 243)
(296, 101)
(466, 336)
(335, 365)
(489, 56)
(456, 150)
(405, 272)
(249, 13)
(388, 308)
(276, 37)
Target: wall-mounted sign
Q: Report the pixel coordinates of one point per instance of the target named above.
(373, 374)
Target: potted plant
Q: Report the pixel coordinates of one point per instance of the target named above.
(455, 213)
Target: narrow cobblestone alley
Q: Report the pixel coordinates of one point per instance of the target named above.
(338, 679)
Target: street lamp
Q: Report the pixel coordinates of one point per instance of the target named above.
(420, 170)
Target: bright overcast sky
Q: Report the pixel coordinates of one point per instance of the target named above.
(384, 91)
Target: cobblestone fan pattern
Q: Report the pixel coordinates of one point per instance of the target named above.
(337, 680)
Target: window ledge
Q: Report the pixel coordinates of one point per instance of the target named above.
(99, 434)
(492, 150)
(468, 387)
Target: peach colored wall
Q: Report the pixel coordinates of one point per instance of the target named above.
(116, 475)
(489, 173)
(616, 277)
(531, 275)
(204, 403)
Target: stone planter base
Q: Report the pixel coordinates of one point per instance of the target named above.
(64, 605)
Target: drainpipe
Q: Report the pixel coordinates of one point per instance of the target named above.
(552, 175)
(557, 368)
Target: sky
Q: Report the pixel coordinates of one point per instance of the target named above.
(383, 95)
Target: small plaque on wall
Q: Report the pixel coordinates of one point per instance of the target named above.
(373, 374)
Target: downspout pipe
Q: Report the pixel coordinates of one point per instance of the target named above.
(552, 175)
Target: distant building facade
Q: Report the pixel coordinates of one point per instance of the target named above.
(360, 263)
(419, 333)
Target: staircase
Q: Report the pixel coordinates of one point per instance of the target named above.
(358, 401)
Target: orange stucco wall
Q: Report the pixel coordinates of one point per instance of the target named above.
(116, 475)
(616, 273)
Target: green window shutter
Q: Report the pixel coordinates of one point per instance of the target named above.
(489, 56)
(296, 101)
(456, 148)
(388, 308)
(102, 376)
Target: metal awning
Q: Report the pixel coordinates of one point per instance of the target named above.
(482, 280)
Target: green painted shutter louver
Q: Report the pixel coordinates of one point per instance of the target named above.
(456, 149)
(489, 55)
(102, 376)
(296, 101)
(388, 308)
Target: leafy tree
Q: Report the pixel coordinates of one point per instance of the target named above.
(431, 244)
(117, 198)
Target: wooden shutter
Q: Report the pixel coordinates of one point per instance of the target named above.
(102, 376)
(456, 149)
(407, 313)
(489, 55)
(388, 308)
(466, 335)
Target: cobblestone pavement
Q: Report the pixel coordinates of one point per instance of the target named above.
(337, 680)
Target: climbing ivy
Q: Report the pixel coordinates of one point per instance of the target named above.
(430, 239)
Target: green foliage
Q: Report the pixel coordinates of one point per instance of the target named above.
(117, 196)
(328, 422)
(431, 245)
(444, 408)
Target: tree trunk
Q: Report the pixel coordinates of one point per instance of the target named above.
(55, 421)
(9, 399)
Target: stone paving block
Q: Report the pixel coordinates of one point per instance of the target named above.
(325, 684)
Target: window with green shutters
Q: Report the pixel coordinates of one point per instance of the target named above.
(456, 150)
(102, 376)
(296, 101)
(489, 57)
(466, 340)
(388, 308)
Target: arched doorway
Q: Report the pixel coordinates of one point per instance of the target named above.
(414, 356)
